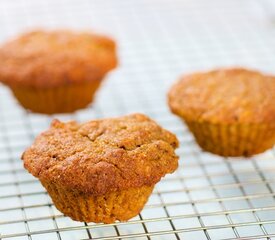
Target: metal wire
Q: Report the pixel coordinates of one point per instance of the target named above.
(208, 197)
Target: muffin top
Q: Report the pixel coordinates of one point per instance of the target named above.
(103, 155)
(227, 95)
(50, 58)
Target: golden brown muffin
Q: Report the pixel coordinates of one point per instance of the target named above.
(56, 71)
(231, 112)
(102, 170)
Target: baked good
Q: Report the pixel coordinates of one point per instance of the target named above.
(231, 112)
(56, 71)
(102, 170)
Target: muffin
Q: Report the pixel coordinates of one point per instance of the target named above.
(56, 71)
(102, 170)
(231, 112)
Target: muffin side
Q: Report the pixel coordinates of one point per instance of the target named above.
(233, 140)
(64, 99)
(120, 205)
(229, 111)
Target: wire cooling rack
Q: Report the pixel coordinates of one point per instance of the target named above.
(208, 197)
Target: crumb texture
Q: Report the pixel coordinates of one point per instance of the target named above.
(103, 155)
(226, 95)
(48, 58)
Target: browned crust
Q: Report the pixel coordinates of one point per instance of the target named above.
(225, 95)
(52, 58)
(104, 155)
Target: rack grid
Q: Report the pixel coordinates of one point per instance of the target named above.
(208, 197)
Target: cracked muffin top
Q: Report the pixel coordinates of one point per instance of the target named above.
(103, 155)
(48, 58)
(226, 95)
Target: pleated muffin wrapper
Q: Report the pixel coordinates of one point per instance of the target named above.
(120, 205)
(234, 139)
(59, 99)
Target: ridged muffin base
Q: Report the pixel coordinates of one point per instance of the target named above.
(107, 208)
(232, 140)
(61, 99)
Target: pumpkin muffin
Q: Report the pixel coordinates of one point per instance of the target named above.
(231, 112)
(56, 71)
(102, 170)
